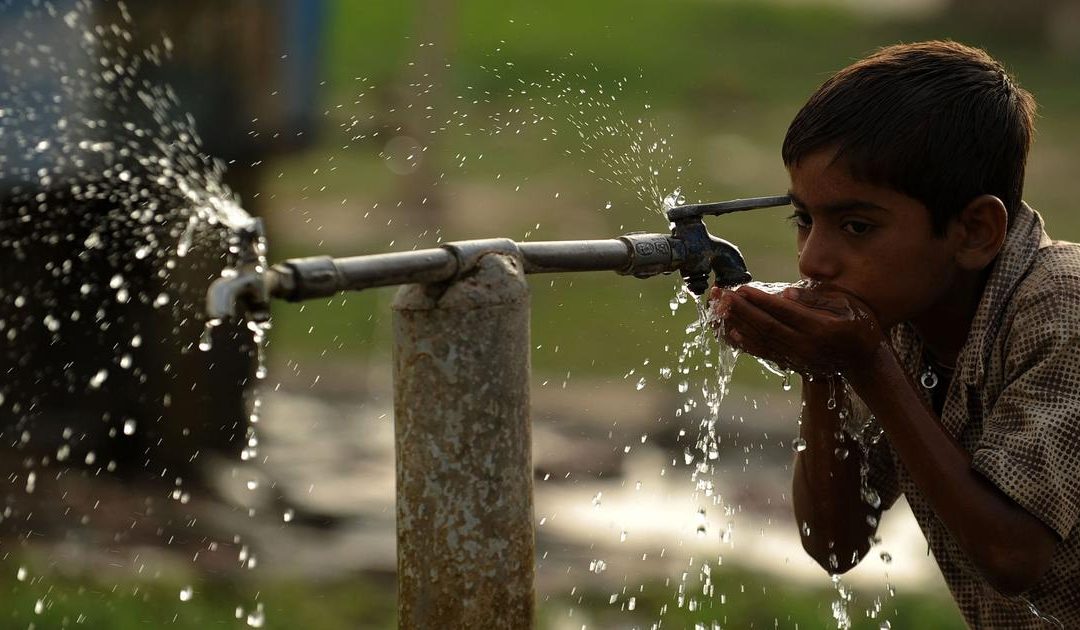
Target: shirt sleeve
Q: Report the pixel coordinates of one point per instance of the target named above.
(1030, 446)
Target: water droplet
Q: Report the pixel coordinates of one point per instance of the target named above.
(787, 382)
(186, 593)
(640, 384)
(870, 496)
(257, 618)
(129, 426)
(683, 387)
(39, 607)
(886, 557)
(97, 379)
(52, 323)
(21, 574)
(289, 515)
(798, 445)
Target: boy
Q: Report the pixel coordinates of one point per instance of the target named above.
(953, 319)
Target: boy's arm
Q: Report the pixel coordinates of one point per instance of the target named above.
(1008, 545)
(834, 522)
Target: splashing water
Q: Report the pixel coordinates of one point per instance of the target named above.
(671, 201)
(120, 221)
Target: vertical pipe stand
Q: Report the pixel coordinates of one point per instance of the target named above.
(463, 443)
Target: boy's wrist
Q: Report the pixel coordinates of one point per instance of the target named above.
(877, 370)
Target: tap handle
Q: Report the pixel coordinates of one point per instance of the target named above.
(679, 213)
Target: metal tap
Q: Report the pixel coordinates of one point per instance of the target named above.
(246, 289)
(689, 249)
(707, 253)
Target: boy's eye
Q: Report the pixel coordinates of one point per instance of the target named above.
(858, 228)
(800, 220)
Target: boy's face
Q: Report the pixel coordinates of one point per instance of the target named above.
(872, 241)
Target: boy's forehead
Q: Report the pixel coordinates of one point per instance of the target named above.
(819, 181)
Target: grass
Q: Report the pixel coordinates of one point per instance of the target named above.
(746, 600)
(126, 603)
(739, 599)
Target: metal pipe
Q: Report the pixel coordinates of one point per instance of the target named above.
(464, 457)
(557, 256)
(690, 249)
(320, 276)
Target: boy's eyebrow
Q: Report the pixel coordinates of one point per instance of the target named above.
(839, 206)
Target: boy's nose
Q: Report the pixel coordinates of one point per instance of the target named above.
(818, 260)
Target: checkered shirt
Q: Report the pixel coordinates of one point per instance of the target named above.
(1014, 404)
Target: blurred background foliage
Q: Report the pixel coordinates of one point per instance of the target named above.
(721, 80)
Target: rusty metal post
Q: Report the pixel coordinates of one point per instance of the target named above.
(463, 441)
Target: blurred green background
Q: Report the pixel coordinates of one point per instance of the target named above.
(718, 80)
(407, 155)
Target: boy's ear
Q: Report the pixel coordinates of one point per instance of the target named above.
(978, 232)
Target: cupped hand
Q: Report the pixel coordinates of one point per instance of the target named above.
(818, 331)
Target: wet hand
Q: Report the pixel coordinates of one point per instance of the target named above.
(819, 330)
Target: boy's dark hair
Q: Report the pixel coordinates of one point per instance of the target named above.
(938, 121)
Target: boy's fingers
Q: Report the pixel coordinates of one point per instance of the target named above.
(792, 313)
(757, 329)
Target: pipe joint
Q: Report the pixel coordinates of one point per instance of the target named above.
(469, 253)
(651, 254)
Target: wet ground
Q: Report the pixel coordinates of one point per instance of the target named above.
(611, 484)
(615, 502)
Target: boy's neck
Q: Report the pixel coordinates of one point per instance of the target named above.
(945, 327)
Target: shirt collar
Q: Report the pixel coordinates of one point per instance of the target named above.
(1025, 237)
(1023, 240)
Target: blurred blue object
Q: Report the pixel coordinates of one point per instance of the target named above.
(248, 71)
